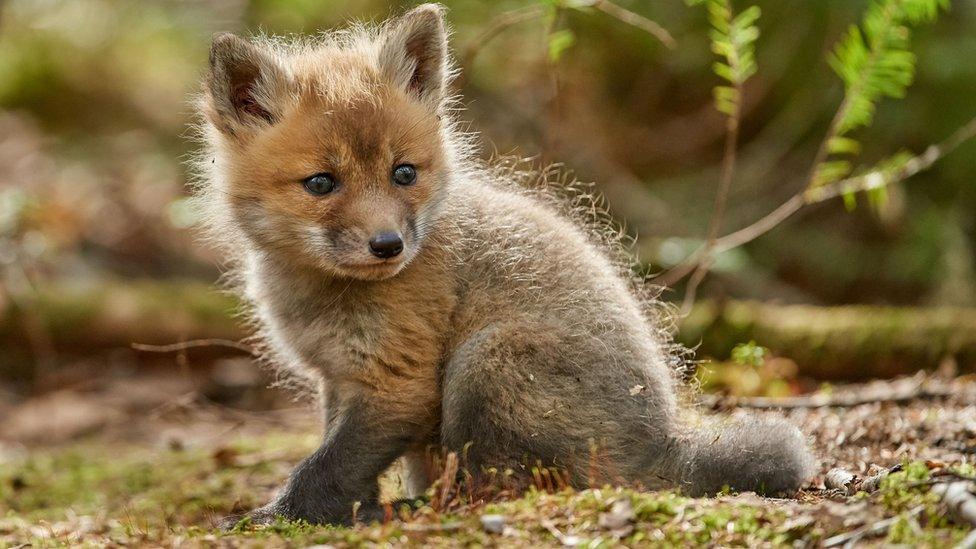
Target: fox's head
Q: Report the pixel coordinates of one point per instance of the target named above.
(331, 153)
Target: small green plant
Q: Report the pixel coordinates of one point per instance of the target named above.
(749, 354)
(733, 38)
(874, 60)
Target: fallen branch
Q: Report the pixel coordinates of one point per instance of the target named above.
(943, 477)
(868, 530)
(821, 400)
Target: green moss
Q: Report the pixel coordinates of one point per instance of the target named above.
(904, 491)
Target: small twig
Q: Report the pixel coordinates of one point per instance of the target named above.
(566, 540)
(880, 527)
(554, 105)
(636, 20)
(961, 503)
(828, 401)
(193, 343)
(721, 199)
(447, 481)
(867, 181)
(873, 180)
(424, 528)
(22, 292)
(816, 195)
(942, 477)
(498, 25)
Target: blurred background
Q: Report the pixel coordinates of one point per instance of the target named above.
(98, 249)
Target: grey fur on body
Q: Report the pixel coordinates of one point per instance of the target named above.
(506, 324)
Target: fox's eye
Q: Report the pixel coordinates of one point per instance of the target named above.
(320, 184)
(404, 174)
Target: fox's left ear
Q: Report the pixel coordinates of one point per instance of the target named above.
(413, 53)
(247, 86)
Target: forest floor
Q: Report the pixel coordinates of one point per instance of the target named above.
(153, 461)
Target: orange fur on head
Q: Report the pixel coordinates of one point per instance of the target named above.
(354, 108)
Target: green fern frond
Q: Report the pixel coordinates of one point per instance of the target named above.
(831, 170)
(874, 61)
(560, 41)
(843, 145)
(733, 39)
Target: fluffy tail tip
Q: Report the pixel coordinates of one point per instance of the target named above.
(762, 455)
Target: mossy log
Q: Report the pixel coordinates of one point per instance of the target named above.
(831, 343)
(838, 343)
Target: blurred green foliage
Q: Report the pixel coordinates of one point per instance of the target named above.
(94, 111)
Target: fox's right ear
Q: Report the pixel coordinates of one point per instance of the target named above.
(414, 52)
(246, 88)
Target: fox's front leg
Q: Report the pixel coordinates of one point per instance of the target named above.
(363, 437)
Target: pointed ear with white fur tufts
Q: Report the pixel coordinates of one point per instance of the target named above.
(413, 54)
(246, 88)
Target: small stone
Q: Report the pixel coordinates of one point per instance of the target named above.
(571, 541)
(493, 524)
(619, 520)
(840, 479)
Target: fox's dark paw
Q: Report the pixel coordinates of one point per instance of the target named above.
(259, 516)
(271, 512)
(409, 505)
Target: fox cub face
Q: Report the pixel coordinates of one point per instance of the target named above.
(332, 154)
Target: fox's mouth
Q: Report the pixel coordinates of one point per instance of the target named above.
(384, 264)
(377, 269)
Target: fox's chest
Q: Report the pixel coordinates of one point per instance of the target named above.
(355, 335)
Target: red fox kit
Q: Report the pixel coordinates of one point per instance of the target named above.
(435, 302)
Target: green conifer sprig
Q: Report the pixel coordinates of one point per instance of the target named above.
(733, 38)
(874, 61)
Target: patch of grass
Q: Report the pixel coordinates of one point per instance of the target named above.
(128, 492)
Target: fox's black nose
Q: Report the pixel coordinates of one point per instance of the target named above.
(386, 245)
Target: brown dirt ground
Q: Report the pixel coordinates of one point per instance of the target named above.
(165, 412)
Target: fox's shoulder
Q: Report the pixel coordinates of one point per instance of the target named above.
(510, 194)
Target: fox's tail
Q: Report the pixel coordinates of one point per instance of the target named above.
(767, 456)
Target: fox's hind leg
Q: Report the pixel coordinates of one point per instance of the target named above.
(526, 392)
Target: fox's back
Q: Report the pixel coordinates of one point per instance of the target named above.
(518, 258)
